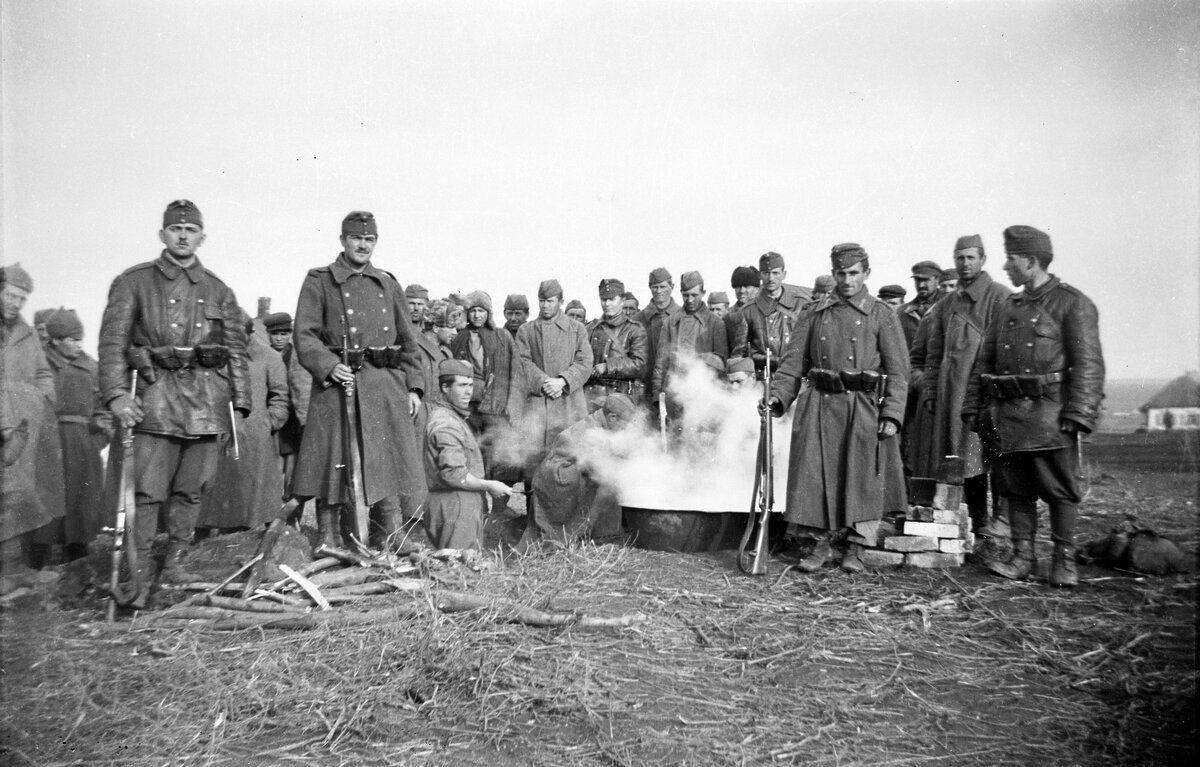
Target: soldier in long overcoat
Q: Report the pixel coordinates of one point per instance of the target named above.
(83, 429)
(249, 491)
(350, 310)
(180, 326)
(1036, 387)
(957, 326)
(453, 464)
(31, 478)
(844, 464)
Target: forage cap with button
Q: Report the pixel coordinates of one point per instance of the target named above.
(769, 261)
(611, 288)
(659, 275)
(847, 254)
(453, 367)
(360, 223)
(182, 212)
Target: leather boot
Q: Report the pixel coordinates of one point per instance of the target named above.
(1020, 565)
(383, 527)
(851, 561)
(1062, 567)
(173, 570)
(328, 519)
(821, 554)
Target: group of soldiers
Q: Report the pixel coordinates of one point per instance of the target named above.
(434, 406)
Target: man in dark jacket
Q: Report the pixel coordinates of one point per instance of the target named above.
(179, 326)
(769, 319)
(661, 306)
(618, 350)
(925, 275)
(844, 464)
(353, 328)
(693, 331)
(1036, 387)
(516, 312)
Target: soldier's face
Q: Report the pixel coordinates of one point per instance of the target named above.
(458, 393)
(738, 380)
(416, 310)
(660, 292)
(720, 309)
(893, 302)
(746, 293)
(968, 262)
(579, 315)
(182, 240)
(693, 297)
(477, 316)
(850, 279)
(548, 307)
(358, 248)
(1019, 269)
(279, 339)
(926, 286)
(772, 280)
(12, 299)
(612, 307)
(516, 317)
(67, 347)
(630, 306)
(947, 286)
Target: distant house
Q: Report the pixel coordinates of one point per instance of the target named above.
(1176, 406)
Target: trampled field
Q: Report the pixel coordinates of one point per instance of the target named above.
(889, 668)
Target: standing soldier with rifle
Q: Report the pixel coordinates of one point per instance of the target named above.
(354, 335)
(844, 458)
(177, 324)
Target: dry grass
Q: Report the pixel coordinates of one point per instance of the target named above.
(896, 668)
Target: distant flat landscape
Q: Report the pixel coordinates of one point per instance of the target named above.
(1123, 397)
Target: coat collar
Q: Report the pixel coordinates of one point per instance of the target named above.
(171, 268)
(1034, 295)
(342, 271)
(561, 320)
(862, 301)
(790, 298)
(976, 289)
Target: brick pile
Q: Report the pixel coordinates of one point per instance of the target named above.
(934, 536)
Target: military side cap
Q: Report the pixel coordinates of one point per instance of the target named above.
(611, 288)
(619, 404)
(948, 275)
(824, 284)
(745, 277)
(690, 280)
(714, 362)
(659, 275)
(575, 303)
(739, 365)
(359, 223)
(892, 291)
(182, 212)
(453, 367)
(549, 289)
(41, 315)
(968, 241)
(847, 254)
(416, 291)
(516, 302)
(64, 323)
(628, 296)
(718, 297)
(1027, 241)
(926, 269)
(770, 260)
(14, 275)
(278, 322)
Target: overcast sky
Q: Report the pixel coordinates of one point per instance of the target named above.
(499, 144)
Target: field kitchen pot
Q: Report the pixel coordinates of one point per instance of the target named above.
(684, 531)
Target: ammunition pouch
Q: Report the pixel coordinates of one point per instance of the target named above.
(212, 355)
(139, 359)
(173, 357)
(838, 381)
(827, 381)
(635, 390)
(353, 358)
(1003, 387)
(383, 356)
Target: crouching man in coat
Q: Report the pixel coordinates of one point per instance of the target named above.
(1035, 388)
(351, 310)
(845, 458)
(454, 464)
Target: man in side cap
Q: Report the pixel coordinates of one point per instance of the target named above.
(556, 361)
(516, 312)
(925, 276)
(430, 353)
(661, 307)
(689, 333)
(571, 502)
(39, 324)
(31, 476)
(892, 295)
(844, 465)
(81, 420)
(1035, 389)
(769, 320)
(718, 304)
(454, 472)
(180, 327)
(618, 350)
(287, 438)
(630, 305)
(576, 311)
(354, 328)
(948, 282)
(957, 325)
(739, 372)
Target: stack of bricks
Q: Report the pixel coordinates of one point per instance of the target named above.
(935, 536)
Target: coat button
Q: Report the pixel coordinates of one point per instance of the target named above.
(197, 324)
(349, 311)
(385, 327)
(347, 295)
(1029, 344)
(353, 330)
(200, 301)
(853, 339)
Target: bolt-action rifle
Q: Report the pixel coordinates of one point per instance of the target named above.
(752, 559)
(351, 454)
(123, 548)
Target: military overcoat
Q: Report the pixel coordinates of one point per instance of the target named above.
(367, 309)
(82, 429)
(549, 348)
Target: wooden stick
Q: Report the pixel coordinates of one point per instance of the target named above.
(249, 563)
(269, 538)
(253, 607)
(307, 585)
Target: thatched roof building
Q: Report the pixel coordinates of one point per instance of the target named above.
(1176, 406)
